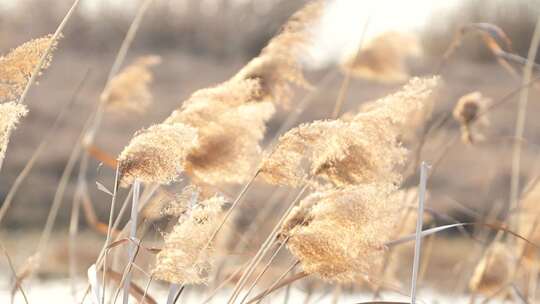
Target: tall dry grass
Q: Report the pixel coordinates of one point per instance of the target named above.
(347, 174)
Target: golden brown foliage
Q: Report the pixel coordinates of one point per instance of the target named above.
(363, 149)
(185, 257)
(383, 58)
(494, 270)
(469, 113)
(339, 234)
(129, 90)
(17, 66)
(10, 113)
(157, 154)
(529, 224)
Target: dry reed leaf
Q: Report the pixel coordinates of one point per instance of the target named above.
(494, 270)
(384, 58)
(186, 258)
(339, 234)
(17, 66)
(10, 114)
(362, 150)
(157, 154)
(129, 90)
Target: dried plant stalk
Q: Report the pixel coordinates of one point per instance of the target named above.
(17, 66)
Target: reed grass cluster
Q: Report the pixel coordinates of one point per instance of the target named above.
(10, 114)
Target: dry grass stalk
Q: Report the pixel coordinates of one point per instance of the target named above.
(185, 257)
(10, 114)
(129, 90)
(494, 270)
(384, 58)
(361, 150)
(157, 154)
(339, 234)
(230, 118)
(468, 112)
(17, 66)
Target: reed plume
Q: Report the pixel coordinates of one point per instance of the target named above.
(157, 154)
(363, 149)
(383, 58)
(469, 113)
(229, 118)
(185, 257)
(494, 270)
(17, 66)
(339, 234)
(10, 114)
(529, 224)
(129, 90)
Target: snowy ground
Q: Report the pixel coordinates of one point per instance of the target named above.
(59, 292)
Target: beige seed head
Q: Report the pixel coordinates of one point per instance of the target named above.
(494, 270)
(363, 149)
(339, 234)
(384, 58)
(17, 66)
(157, 154)
(129, 90)
(185, 257)
(469, 112)
(10, 114)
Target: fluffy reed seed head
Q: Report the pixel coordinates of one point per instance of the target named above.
(469, 113)
(157, 154)
(17, 66)
(165, 204)
(129, 90)
(339, 234)
(362, 150)
(229, 137)
(494, 270)
(10, 114)
(278, 65)
(384, 58)
(185, 258)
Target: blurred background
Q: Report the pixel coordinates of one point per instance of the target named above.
(203, 42)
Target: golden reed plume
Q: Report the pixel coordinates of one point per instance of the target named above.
(185, 257)
(10, 114)
(469, 112)
(339, 234)
(230, 118)
(129, 90)
(363, 149)
(17, 66)
(157, 154)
